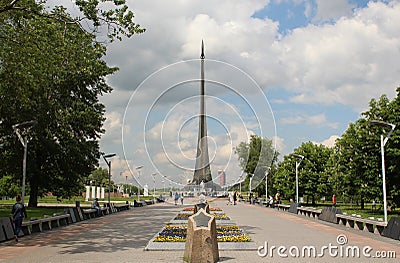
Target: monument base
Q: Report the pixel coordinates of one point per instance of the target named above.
(201, 239)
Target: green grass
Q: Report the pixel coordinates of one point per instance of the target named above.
(5, 211)
(356, 209)
(6, 205)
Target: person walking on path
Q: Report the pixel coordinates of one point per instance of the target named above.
(229, 198)
(234, 198)
(176, 197)
(18, 214)
(182, 199)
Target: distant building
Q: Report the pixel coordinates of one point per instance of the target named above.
(222, 177)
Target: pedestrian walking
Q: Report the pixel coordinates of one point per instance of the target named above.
(229, 198)
(18, 214)
(176, 198)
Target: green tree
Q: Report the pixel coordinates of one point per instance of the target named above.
(312, 176)
(254, 158)
(8, 187)
(99, 177)
(356, 165)
(52, 71)
(95, 15)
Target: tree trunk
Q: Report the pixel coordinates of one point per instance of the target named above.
(362, 203)
(313, 200)
(33, 196)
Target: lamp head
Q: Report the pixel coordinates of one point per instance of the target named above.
(109, 155)
(25, 125)
(382, 124)
(299, 156)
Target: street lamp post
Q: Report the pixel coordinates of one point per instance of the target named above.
(154, 184)
(251, 178)
(383, 143)
(108, 162)
(24, 141)
(266, 182)
(138, 168)
(240, 184)
(301, 157)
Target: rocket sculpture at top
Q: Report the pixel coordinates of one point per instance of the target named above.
(202, 172)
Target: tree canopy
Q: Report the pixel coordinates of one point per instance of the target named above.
(313, 180)
(255, 158)
(351, 169)
(52, 71)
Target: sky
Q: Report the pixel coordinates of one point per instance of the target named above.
(291, 71)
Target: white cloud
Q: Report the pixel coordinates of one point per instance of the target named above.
(319, 119)
(330, 142)
(354, 58)
(346, 62)
(113, 127)
(332, 10)
(280, 146)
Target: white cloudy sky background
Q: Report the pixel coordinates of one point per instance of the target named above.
(318, 62)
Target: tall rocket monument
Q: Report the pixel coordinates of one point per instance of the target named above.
(202, 172)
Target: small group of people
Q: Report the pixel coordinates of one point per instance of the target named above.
(232, 198)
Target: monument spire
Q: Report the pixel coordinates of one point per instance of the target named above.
(202, 172)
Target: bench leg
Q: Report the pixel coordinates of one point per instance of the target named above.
(26, 230)
(46, 225)
(36, 228)
(369, 228)
(379, 230)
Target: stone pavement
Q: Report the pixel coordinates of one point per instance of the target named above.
(122, 237)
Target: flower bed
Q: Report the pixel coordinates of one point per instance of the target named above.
(218, 216)
(177, 233)
(211, 209)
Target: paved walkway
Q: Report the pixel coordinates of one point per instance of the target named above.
(121, 237)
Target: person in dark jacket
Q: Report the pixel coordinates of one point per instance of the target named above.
(18, 214)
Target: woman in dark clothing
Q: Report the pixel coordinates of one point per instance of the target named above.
(18, 213)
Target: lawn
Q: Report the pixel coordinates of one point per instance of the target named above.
(6, 205)
(5, 211)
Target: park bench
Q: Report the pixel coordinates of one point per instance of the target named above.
(150, 202)
(357, 222)
(123, 207)
(282, 207)
(6, 229)
(89, 213)
(92, 212)
(309, 211)
(139, 203)
(45, 223)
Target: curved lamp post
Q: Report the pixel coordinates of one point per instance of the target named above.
(383, 143)
(108, 162)
(154, 184)
(138, 168)
(24, 141)
(251, 178)
(266, 182)
(300, 157)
